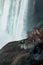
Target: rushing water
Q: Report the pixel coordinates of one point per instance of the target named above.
(16, 19)
(13, 16)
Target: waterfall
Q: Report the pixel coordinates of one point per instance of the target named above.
(5, 15)
(20, 20)
(15, 19)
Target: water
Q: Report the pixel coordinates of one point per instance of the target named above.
(12, 15)
(14, 21)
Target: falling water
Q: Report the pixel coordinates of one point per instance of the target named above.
(16, 18)
(13, 19)
(19, 31)
(5, 15)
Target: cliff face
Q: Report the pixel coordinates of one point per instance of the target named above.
(8, 52)
(11, 50)
(14, 54)
(24, 52)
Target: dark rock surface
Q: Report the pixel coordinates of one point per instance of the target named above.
(12, 49)
(14, 54)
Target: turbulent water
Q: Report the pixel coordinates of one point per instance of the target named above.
(16, 19)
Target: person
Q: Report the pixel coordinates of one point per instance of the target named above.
(30, 37)
(38, 33)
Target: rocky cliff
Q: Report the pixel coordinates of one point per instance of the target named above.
(21, 53)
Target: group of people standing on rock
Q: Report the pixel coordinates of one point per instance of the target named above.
(36, 36)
